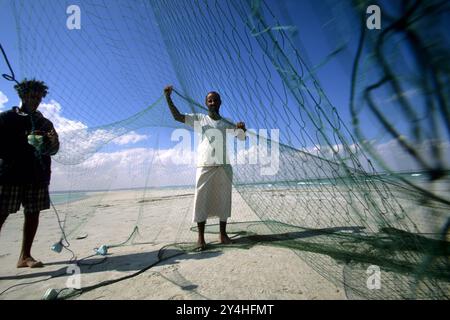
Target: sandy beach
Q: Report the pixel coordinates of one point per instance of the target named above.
(164, 219)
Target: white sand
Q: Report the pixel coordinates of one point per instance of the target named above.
(260, 272)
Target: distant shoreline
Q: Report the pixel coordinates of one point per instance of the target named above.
(415, 174)
(122, 189)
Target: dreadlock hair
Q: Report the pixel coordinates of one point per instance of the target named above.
(33, 85)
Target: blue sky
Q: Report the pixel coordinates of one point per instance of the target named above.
(120, 60)
(333, 77)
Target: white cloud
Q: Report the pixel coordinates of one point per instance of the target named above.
(130, 138)
(131, 168)
(3, 100)
(390, 153)
(79, 165)
(78, 142)
(398, 159)
(52, 111)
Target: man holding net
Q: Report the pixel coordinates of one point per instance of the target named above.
(214, 173)
(27, 141)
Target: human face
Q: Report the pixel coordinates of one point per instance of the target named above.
(213, 102)
(31, 101)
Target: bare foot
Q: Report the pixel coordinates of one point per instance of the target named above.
(201, 245)
(29, 262)
(224, 239)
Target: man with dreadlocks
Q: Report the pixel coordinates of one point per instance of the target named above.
(27, 141)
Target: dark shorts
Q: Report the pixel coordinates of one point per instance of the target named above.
(33, 198)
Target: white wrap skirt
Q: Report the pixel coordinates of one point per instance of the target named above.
(213, 193)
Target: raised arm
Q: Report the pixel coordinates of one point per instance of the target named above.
(173, 109)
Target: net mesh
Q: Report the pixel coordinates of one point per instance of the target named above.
(335, 199)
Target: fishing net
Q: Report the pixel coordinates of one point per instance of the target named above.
(333, 193)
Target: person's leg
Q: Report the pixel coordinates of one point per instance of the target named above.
(225, 207)
(201, 243)
(30, 226)
(9, 201)
(223, 233)
(2, 220)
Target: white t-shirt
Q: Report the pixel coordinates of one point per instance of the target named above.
(212, 149)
